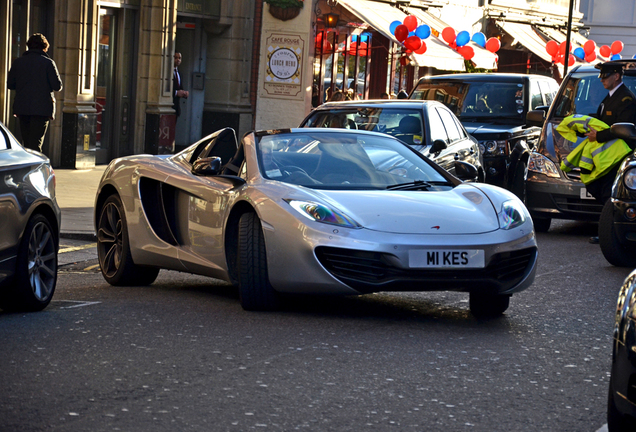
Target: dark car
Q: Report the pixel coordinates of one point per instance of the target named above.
(30, 220)
(428, 127)
(492, 107)
(621, 407)
(551, 193)
(617, 224)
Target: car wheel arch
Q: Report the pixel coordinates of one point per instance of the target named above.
(47, 211)
(231, 237)
(106, 191)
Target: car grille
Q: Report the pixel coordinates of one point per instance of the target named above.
(375, 271)
(569, 204)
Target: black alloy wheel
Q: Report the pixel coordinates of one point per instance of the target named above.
(36, 272)
(113, 248)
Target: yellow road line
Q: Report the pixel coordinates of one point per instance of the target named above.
(77, 248)
(89, 268)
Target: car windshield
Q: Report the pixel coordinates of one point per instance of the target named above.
(475, 99)
(583, 94)
(332, 160)
(404, 124)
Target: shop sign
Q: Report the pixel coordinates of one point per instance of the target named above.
(199, 7)
(284, 65)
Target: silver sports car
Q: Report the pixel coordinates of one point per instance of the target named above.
(312, 211)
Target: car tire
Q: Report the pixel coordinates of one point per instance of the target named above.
(488, 305)
(617, 422)
(518, 186)
(255, 291)
(613, 251)
(541, 224)
(113, 248)
(36, 269)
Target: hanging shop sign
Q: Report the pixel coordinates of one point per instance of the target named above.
(284, 65)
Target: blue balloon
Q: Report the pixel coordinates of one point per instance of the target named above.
(634, 56)
(579, 52)
(463, 37)
(616, 57)
(480, 39)
(423, 31)
(411, 33)
(393, 26)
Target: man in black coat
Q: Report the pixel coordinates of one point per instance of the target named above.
(34, 77)
(618, 106)
(177, 85)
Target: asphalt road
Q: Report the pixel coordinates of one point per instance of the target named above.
(181, 355)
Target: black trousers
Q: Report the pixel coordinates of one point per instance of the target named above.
(33, 130)
(601, 188)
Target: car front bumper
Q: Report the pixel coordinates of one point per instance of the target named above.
(560, 198)
(624, 228)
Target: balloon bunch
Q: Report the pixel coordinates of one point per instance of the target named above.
(557, 52)
(459, 42)
(612, 52)
(410, 35)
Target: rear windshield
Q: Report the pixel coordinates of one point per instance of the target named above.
(583, 94)
(474, 99)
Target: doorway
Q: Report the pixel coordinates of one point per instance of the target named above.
(114, 97)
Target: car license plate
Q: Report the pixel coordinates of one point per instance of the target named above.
(469, 258)
(585, 194)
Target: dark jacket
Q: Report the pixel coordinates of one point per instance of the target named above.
(34, 77)
(619, 108)
(177, 85)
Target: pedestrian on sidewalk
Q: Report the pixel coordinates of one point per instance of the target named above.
(34, 77)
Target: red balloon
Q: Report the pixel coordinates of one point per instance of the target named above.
(552, 47)
(422, 49)
(362, 50)
(571, 60)
(401, 32)
(617, 46)
(605, 51)
(326, 47)
(410, 22)
(404, 60)
(590, 57)
(466, 51)
(413, 43)
(589, 47)
(562, 48)
(448, 34)
(493, 44)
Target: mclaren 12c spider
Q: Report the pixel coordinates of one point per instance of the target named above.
(313, 211)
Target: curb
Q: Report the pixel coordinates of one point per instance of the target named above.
(85, 236)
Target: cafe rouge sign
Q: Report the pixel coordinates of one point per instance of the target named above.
(283, 77)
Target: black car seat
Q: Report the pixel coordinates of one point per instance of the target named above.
(340, 163)
(223, 145)
(409, 127)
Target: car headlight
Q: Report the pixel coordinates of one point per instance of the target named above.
(494, 147)
(513, 213)
(625, 305)
(542, 165)
(629, 178)
(321, 213)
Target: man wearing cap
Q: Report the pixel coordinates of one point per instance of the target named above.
(617, 107)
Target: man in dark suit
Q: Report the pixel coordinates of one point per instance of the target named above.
(618, 106)
(34, 77)
(177, 85)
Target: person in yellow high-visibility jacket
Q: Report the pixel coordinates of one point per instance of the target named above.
(594, 159)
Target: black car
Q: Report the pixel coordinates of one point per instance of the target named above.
(621, 407)
(428, 127)
(493, 107)
(30, 220)
(617, 224)
(552, 193)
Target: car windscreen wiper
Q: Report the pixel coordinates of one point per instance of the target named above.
(414, 185)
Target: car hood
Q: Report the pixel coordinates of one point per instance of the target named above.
(462, 210)
(482, 129)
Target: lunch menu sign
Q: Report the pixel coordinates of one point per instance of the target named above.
(283, 75)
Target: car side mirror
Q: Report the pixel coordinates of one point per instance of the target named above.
(465, 171)
(438, 146)
(625, 131)
(207, 166)
(535, 117)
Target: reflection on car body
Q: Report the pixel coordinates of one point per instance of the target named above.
(312, 211)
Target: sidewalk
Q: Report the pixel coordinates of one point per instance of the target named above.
(75, 191)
